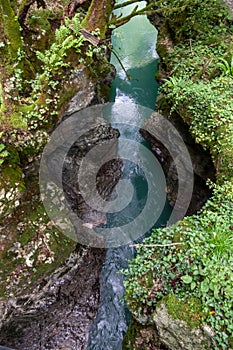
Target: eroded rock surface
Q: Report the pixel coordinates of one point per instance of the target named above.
(176, 334)
(57, 314)
(47, 303)
(202, 166)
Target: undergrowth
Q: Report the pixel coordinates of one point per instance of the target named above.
(199, 88)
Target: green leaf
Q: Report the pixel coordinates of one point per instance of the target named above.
(2, 146)
(4, 154)
(186, 279)
(205, 286)
(193, 285)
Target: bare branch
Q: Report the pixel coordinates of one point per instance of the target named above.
(125, 4)
(154, 245)
(148, 10)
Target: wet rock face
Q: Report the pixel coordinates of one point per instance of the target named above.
(203, 167)
(106, 178)
(86, 187)
(58, 313)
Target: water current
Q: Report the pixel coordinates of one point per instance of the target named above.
(134, 44)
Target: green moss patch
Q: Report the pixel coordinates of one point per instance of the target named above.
(189, 311)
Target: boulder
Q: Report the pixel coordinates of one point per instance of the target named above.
(177, 334)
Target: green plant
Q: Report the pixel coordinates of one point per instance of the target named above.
(201, 267)
(3, 151)
(55, 62)
(196, 59)
(226, 67)
(187, 18)
(208, 108)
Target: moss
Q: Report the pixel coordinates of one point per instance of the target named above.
(12, 174)
(40, 19)
(131, 334)
(189, 311)
(98, 16)
(31, 229)
(14, 120)
(139, 337)
(11, 29)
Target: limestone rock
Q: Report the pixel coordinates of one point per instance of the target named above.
(202, 166)
(176, 334)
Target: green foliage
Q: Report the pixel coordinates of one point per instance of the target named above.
(200, 90)
(33, 103)
(56, 62)
(191, 19)
(3, 151)
(208, 108)
(40, 19)
(201, 267)
(11, 30)
(226, 67)
(196, 59)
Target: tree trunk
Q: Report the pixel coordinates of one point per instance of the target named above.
(98, 16)
(11, 30)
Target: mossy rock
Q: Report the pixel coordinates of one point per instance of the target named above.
(178, 325)
(32, 248)
(189, 311)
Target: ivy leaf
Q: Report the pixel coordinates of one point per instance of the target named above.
(187, 279)
(4, 154)
(2, 146)
(193, 285)
(205, 286)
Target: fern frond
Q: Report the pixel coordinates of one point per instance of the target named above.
(61, 34)
(76, 24)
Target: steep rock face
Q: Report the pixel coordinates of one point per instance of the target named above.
(90, 170)
(38, 284)
(202, 165)
(56, 314)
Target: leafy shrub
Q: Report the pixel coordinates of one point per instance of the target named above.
(200, 90)
(201, 266)
(208, 108)
(196, 59)
(189, 19)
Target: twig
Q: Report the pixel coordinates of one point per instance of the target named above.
(124, 4)
(190, 43)
(121, 64)
(145, 11)
(154, 245)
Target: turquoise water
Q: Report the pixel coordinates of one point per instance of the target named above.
(135, 85)
(135, 46)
